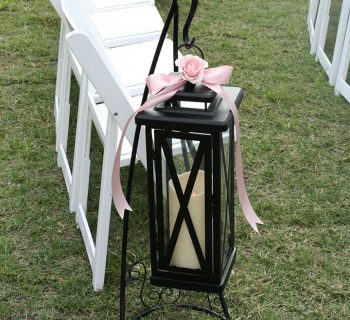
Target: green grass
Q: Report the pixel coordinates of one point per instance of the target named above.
(295, 139)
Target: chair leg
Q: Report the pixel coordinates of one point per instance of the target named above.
(339, 43)
(81, 162)
(62, 130)
(63, 107)
(316, 28)
(85, 168)
(105, 203)
(58, 77)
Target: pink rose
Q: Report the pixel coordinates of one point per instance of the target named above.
(192, 68)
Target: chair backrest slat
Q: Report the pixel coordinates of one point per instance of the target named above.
(107, 4)
(77, 16)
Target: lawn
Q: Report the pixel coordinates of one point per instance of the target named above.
(296, 151)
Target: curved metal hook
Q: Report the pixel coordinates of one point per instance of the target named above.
(189, 44)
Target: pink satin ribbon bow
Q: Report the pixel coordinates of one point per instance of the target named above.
(162, 87)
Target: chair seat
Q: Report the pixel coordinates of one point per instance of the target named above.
(115, 27)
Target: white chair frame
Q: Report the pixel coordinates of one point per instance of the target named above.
(341, 86)
(331, 65)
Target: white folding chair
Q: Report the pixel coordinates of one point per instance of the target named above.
(131, 63)
(97, 68)
(115, 26)
(314, 20)
(342, 86)
(331, 64)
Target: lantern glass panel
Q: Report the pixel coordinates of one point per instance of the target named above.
(178, 248)
(227, 176)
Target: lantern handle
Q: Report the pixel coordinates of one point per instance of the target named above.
(190, 46)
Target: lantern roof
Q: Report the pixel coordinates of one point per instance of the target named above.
(216, 118)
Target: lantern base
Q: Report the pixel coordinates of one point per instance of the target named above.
(166, 279)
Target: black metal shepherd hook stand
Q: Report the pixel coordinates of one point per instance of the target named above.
(164, 297)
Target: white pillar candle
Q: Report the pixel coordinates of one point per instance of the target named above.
(184, 254)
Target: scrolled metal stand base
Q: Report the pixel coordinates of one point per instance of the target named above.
(184, 306)
(155, 299)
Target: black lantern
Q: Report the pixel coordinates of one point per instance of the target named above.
(190, 160)
(190, 168)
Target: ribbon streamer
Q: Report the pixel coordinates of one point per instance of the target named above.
(163, 87)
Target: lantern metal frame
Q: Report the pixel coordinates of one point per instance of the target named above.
(214, 271)
(205, 282)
